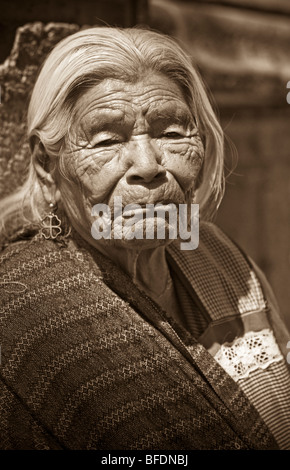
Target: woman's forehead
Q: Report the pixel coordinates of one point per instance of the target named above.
(155, 96)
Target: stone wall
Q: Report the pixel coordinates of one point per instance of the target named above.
(17, 77)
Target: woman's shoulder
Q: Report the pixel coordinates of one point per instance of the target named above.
(29, 258)
(215, 245)
(15, 246)
(212, 232)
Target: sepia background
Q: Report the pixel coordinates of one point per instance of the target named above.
(242, 50)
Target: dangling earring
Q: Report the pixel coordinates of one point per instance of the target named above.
(51, 224)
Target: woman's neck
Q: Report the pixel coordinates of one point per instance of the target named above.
(147, 268)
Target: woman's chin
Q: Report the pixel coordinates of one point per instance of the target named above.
(138, 238)
(143, 234)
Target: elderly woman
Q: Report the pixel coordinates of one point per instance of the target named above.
(113, 339)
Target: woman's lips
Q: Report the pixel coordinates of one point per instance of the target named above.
(158, 208)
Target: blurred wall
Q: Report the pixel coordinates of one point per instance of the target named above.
(15, 13)
(242, 50)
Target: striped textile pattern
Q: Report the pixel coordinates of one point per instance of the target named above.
(90, 362)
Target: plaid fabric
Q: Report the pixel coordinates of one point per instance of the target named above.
(233, 313)
(268, 389)
(190, 315)
(218, 268)
(90, 362)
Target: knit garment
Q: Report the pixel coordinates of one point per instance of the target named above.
(90, 362)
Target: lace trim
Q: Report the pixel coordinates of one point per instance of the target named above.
(255, 350)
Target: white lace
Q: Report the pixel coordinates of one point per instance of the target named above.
(255, 350)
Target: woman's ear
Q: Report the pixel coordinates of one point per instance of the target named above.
(44, 168)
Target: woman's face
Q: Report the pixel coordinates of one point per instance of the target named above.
(136, 141)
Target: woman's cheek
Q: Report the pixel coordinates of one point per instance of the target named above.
(91, 177)
(184, 160)
(88, 167)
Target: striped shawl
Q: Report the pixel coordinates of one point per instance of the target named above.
(90, 362)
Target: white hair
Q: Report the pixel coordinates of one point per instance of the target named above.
(82, 60)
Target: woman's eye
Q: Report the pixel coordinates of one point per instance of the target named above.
(172, 135)
(107, 143)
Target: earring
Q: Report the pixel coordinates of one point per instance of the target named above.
(51, 224)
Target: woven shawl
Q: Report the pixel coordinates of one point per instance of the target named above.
(90, 362)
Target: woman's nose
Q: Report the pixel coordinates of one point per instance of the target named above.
(144, 159)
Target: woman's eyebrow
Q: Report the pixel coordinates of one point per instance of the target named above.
(104, 119)
(169, 113)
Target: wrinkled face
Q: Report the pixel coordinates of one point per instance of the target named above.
(136, 141)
